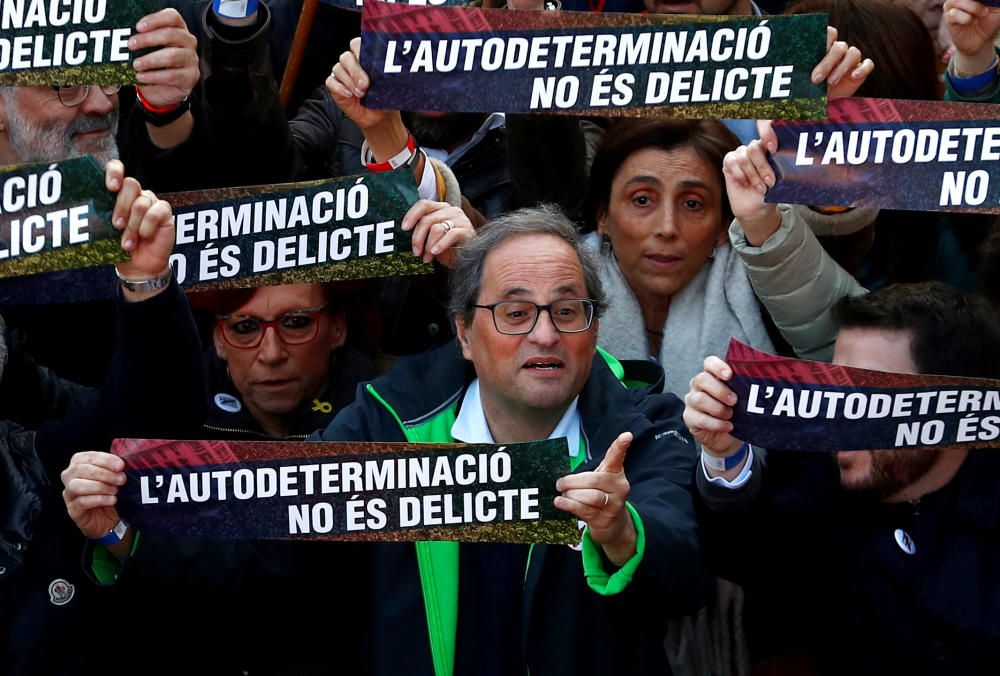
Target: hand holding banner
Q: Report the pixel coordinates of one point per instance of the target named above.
(799, 405)
(912, 155)
(346, 491)
(66, 43)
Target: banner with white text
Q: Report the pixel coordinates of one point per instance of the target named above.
(346, 491)
(69, 42)
(56, 217)
(798, 405)
(344, 228)
(460, 59)
(912, 155)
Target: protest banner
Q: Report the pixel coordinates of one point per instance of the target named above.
(345, 228)
(461, 59)
(799, 405)
(913, 155)
(346, 491)
(356, 5)
(69, 42)
(54, 217)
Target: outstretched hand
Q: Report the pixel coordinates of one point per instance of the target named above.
(438, 230)
(91, 485)
(170, 72)
(599, 497)
(842, 67)
(348, 83)
(973, 27)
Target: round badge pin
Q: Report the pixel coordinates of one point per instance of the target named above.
(228, 403)
(905, 542)
(61, 592)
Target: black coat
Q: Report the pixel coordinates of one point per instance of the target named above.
(228, 417)
(52, 620)
(825, 576)
(246, 608)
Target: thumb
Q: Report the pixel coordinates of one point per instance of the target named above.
(614, 459)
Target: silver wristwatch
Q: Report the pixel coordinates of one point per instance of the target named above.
(145, 285)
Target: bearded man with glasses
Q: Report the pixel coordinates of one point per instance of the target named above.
(51, 124)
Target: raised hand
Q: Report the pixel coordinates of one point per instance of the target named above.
(598, 498)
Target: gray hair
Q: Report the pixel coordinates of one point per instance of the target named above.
(467, 275)
(34, 140)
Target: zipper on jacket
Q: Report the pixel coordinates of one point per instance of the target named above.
(237, 430)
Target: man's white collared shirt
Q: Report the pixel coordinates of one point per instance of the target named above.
(471, 426)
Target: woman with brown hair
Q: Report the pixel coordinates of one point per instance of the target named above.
(658, 203)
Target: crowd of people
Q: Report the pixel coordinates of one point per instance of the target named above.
(589, 275)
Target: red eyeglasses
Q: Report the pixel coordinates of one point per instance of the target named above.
(293, 328)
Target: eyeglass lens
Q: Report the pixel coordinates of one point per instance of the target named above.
(72, 95)
(293, 328)
(571, 315)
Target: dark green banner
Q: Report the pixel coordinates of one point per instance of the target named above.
(55, 217)
(346, 491)
(345, 228)
(69, 42)
(462, 59)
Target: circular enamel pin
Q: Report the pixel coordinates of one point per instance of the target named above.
(61, 592)
(905, 542)
(228, 402)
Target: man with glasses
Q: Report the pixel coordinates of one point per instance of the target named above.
(526, 300)
(48, 124)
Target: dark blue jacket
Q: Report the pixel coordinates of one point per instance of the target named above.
(825, 575)
(566, 627)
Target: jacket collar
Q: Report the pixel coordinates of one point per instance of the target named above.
(228, 413)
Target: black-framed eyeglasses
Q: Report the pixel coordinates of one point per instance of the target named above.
(246, 332)
(74, 95)
(518, 317)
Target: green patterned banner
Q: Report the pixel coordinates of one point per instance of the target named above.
(345, 228)
(69, 42)
(55, 217)
(460, 59)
